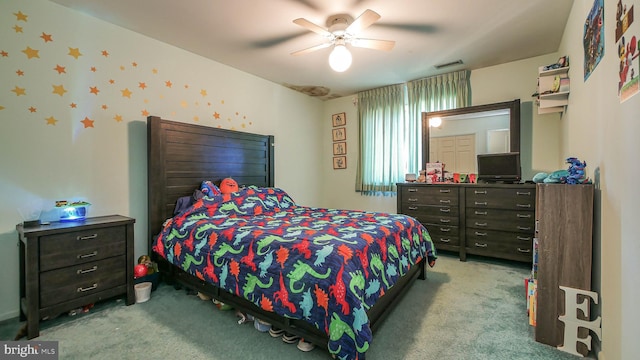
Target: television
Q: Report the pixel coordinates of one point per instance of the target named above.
(501, 167)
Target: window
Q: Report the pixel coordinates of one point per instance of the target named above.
(390, 127)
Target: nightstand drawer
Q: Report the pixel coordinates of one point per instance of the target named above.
(71, 282)
(79, 247)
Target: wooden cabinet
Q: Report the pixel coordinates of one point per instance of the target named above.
(438, 208)
(65, 265)
(500, 221)
(564, 216)
(495, 220)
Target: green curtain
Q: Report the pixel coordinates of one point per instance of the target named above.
(390, 133)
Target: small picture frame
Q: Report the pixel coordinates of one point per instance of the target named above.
(339, 134)
(339, 119)
(339, 162)
(340, 148)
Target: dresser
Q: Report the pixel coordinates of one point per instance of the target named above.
(494, 220)
(66, 265)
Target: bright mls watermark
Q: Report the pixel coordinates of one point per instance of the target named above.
(40, 350)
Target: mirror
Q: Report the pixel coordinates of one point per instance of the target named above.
(466, 132)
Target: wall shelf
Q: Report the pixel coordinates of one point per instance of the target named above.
(553, 90)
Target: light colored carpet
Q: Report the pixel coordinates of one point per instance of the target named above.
(464, 310)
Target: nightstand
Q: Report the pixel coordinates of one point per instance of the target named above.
(66, 265)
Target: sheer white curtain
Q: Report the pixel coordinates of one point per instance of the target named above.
(390, 134)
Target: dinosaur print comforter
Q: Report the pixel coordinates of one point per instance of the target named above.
(325, 266)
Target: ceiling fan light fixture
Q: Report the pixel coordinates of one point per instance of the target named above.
(340, 58)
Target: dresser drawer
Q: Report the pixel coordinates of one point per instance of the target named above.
(444, 235)
(499, 198)
(446, 215)
(72, 282)
(499, 242)
(78, 247)
(429, 195)
(506, 220)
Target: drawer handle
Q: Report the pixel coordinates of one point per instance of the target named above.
(524, 228)
(524, 250)
(94, 268)
(87, 237)
(446, 221)
(445, 191)
(480, 233)
(523, 205)
(480, 212)
(412, 200)
(445, 210)
(481, 224)
(478, 192)
(412, 208)
(445, 229)
(445, 201)
(481, 203)
(445, 240)
(94, 286)
(524, 216)
(88, 255)
(481, 245)
(523, 238)
(412, 190)
(523, 193)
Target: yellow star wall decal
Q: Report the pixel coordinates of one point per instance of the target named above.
(31, 53)
(51, 120)
(59, 89)
(19, 91)
(116, 66)
(75, 52)
(87, 122)
(20, 16)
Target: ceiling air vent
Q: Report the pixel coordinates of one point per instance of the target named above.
(457, 62)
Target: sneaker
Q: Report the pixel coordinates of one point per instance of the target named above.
(275, 332)
(305, 346)
(290, 338)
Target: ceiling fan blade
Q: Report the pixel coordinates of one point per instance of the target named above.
(313, 27)
(311, 49)
(363, 21)
(385, 45)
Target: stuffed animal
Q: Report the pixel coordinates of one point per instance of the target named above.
(573, 175)
(228, 186)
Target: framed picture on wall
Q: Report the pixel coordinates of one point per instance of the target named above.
(339, 134)
(339, 119)
(340, 148)
(339, 162)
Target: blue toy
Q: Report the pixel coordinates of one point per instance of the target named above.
(573, 175)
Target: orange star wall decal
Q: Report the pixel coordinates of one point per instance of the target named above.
(75, 52)
(51, 120)
(126, 93)
(142, 85)
(59, 89)
(32, 109)
(20, 72)
(87, 122)
(31, 53)
(17, 29)
(20, 16)
(60, 69)
(105, 53)
(118, 118)
(46, 37)
(19, 91)
(94, 90)
(4, 53)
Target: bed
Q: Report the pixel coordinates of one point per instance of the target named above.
(327, 275)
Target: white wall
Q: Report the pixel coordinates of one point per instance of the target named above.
(106, 164)
(604, 132)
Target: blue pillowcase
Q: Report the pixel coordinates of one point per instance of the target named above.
(209, 189)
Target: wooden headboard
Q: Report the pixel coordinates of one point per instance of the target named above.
(180, 156)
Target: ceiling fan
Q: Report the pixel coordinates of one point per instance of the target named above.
(341, 30)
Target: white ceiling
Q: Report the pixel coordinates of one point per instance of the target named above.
(257, 36)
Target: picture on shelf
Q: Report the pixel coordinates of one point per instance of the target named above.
(339, 119)
(339, 162)
(339, 134)
(340, 148)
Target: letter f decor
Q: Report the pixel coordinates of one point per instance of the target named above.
(572, 323)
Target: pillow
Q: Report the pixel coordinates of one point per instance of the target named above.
(210, 189)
